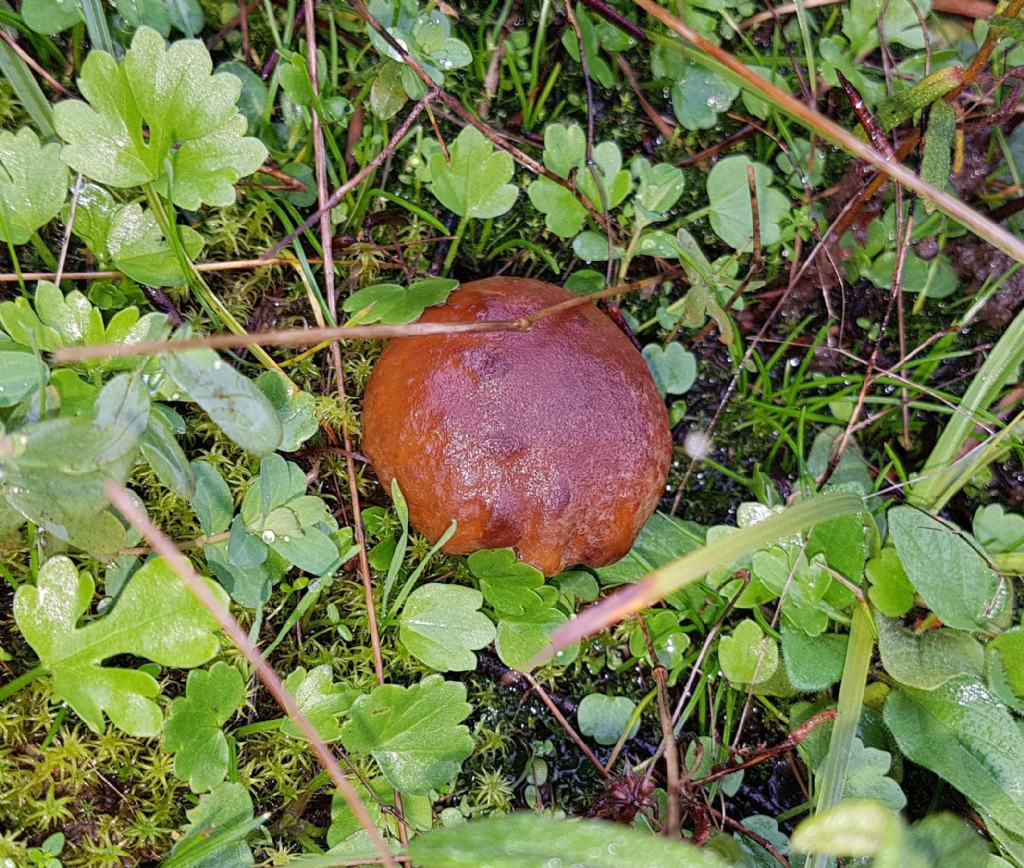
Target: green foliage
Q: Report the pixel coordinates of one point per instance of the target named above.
(215, 835)
(731, 214)
(441, 626)
(605, 718)
(33, 184)
(391, 304)
(673, 368)
(193, 728)
(414, 733)
(947, 570)
(155, 617)
(475, 183)
(748, 656)
(526, 838)
(194, 147)
(320, 699)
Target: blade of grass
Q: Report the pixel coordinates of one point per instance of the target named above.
(96, 25)
(692, 567)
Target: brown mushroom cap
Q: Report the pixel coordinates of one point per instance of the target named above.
(553, 441)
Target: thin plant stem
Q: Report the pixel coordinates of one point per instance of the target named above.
(121, 498)
(22, 681)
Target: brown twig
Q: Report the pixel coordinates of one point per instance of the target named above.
(33, 65)
(400, 133)
(121, 498)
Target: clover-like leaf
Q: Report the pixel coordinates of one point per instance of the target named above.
(392, 304)
(659, 187)
(33, 184)
(729, 194)
(414, 733)
(159, 104)
(867, 778)
(699, 96)
(605, 718)
(673, 368)
(193, 731)
(441, 625)
(320, 699)
(476, 183)
(155, 617)
(747, 656)
(295, 409)
(129, 238)
(506, 582)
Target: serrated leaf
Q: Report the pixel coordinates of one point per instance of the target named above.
(946, 570)
(441, 625)
(155, 617)
(159, 103)
(193, 730)
(33, 184)
(320, 699)
(968, 738)
(673, 368)
(729, 194)
(476, 184)
(240, 409)
(746, 655)
(414, 733)
(392, 304)
(535, 838)
(605, 718)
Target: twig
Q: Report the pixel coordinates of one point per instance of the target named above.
(121, 498)
(31, 63)
(66, 243)
(568, 727)
(966, 8)
(358, 177)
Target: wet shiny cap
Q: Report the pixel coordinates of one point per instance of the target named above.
(554, 441)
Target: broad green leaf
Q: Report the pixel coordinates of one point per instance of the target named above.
(33, 184)
(192, 731)
(51, 16)
(605, 718)
(212, 501)
(21, 374)
(166, 456)
(186, 16)
(240, 409)
(155, 617)
(441, 625)
(565, 148)
(248, 586)
(563, 213)
(997, 530)
(947, 570)
(890, 590)
(216, 832)
(476, 184)
(414, 733)
(867, 777)
(395, 305)
(699, 96)
(662, 539)
(145, 13)
(729, 194)
(159, 103)
(387, 95)
(1010, 648)
(534, 838)
(813, 662)
(969, 739)
(658, 187)
(296, 409)
(746, 655)
(673, 368)
(520, 638)
(253, 98)
(320, 699)
(930, 660)
(854, 827)
(507, 583)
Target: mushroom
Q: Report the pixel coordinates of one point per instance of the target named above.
(553, 441)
